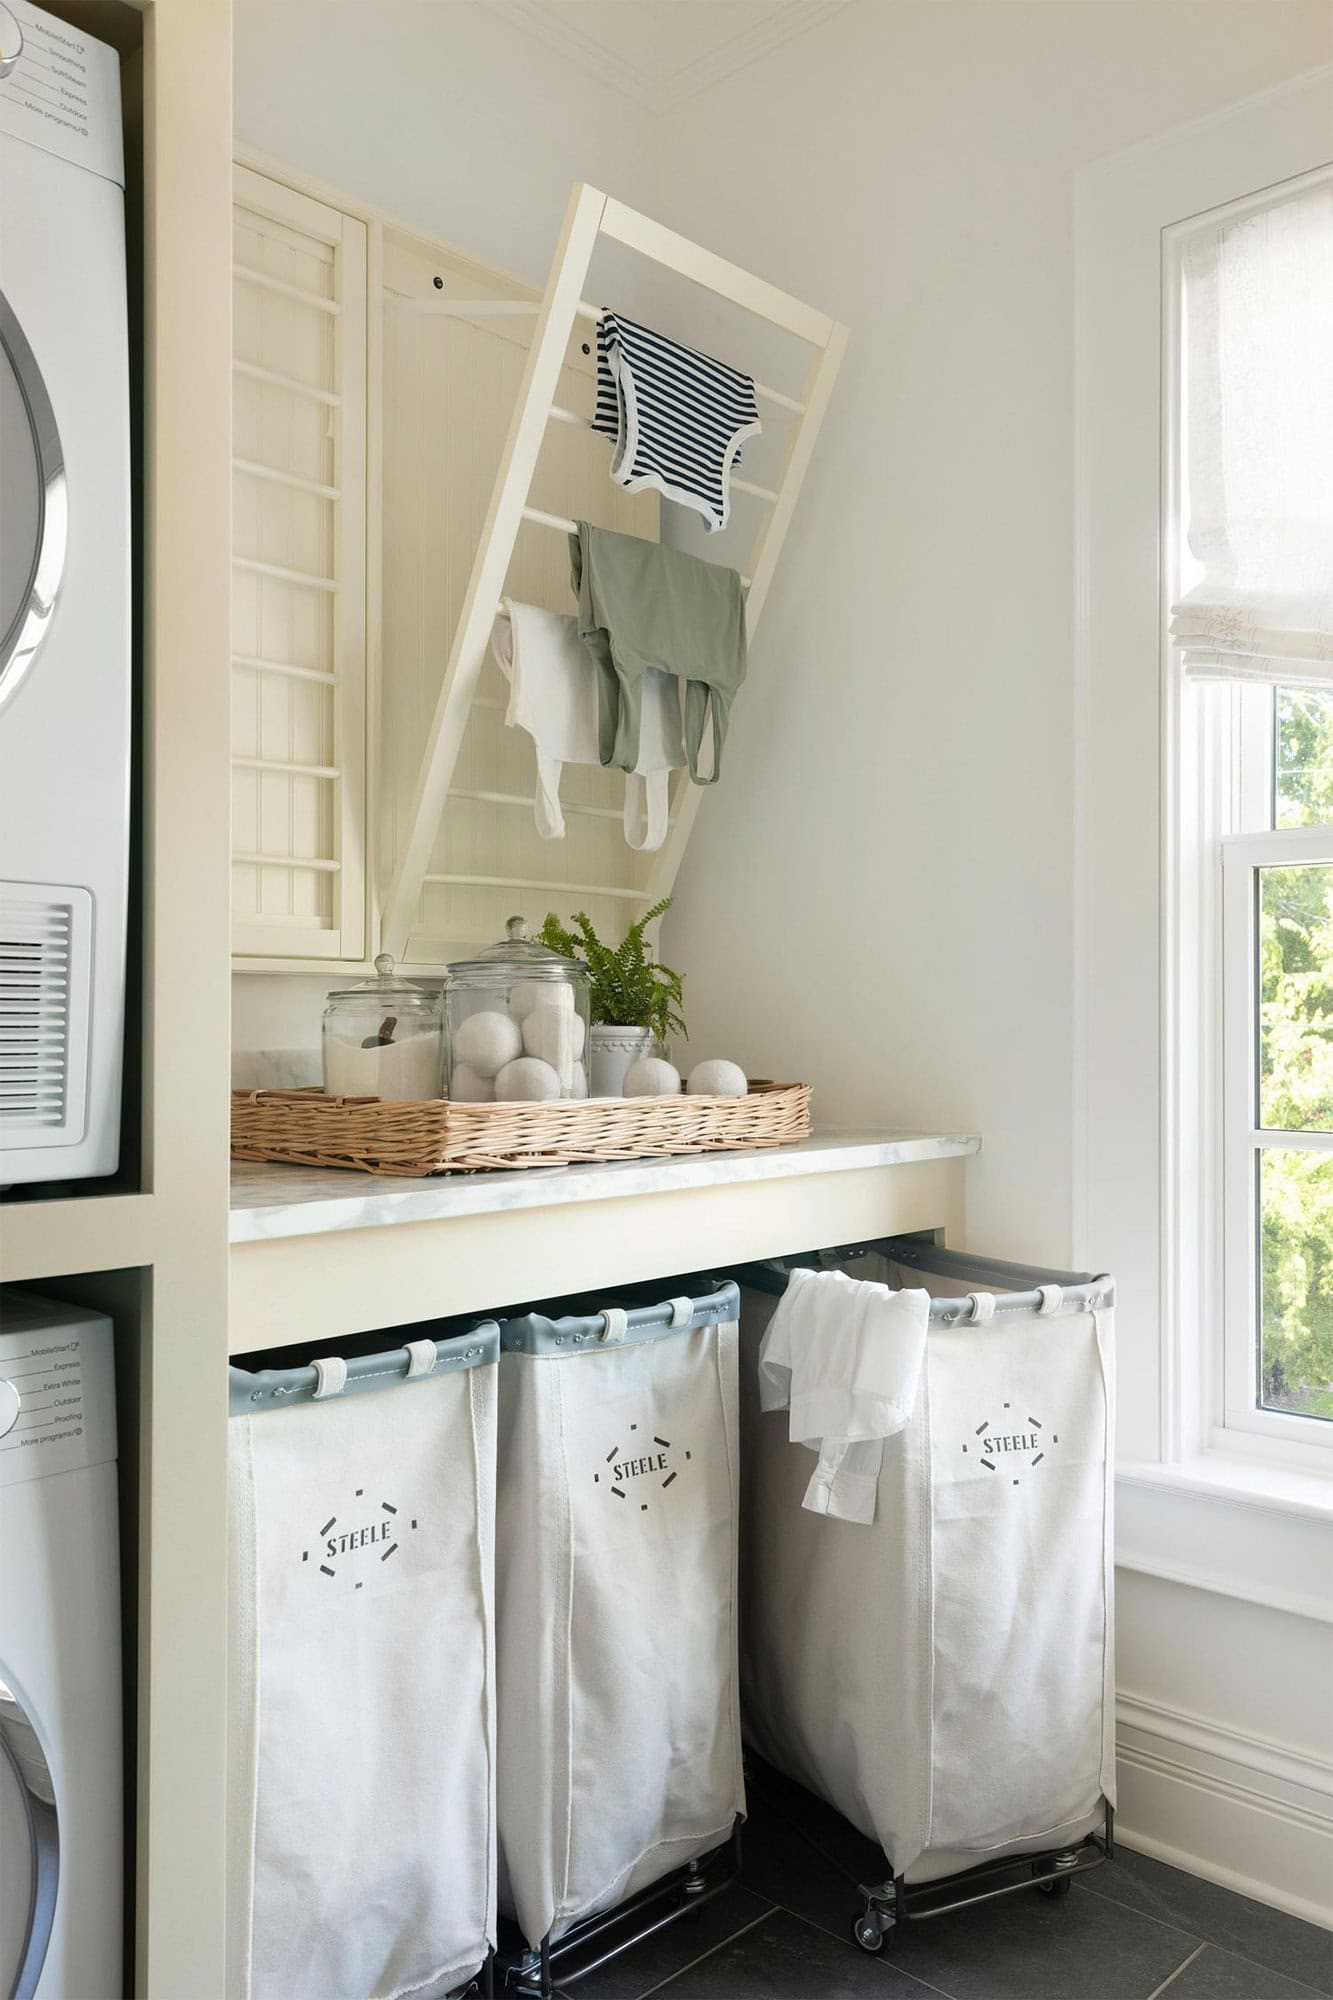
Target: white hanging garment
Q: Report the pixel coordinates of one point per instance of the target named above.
(619, 1725)
(943, 1675)
(845, 1357)
(553, 696)
(360, 1714)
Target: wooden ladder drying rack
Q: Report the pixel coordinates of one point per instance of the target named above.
(591, 215)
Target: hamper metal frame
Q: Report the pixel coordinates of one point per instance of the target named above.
(532, 1974)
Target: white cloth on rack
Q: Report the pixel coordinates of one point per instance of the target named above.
(845, 1356)
(553, 696)
(360, 1807)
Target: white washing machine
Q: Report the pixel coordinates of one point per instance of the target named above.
(64, 599)
(60, 1714)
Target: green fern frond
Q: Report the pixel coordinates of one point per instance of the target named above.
(629, 988)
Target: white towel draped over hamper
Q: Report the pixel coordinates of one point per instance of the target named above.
(361, 1709)
(616, 1540)
(943, 1674)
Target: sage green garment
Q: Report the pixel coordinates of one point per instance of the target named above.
(644, 606)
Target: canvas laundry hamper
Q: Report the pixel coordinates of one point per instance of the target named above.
(616, 1543)
(361, 1849)
(942, 1674)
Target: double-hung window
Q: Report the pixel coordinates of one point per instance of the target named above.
(1250, 589)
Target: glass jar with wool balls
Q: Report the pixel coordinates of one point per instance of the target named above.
(516, 1021)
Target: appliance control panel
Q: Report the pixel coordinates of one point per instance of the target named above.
(60, 89)
(57, 1403)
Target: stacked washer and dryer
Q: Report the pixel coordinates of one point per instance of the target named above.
(64, 855)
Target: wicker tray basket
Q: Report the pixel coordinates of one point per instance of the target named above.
(305, 1128)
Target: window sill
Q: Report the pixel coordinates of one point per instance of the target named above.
(1247, 1482)
(1230, 1527)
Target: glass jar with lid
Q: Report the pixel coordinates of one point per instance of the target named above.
(384, 1038)
(517, 1018)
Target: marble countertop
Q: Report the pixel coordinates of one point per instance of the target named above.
(272, 1201)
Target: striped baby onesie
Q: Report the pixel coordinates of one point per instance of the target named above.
(678, 418)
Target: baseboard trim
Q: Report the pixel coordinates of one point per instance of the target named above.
(1246, 1812)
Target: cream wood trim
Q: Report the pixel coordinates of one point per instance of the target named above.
(183, 1551)
(1254, 1815)
(294, 1288)
(56, 1239)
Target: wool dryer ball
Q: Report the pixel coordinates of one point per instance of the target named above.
(466, 1087)
(526, 1081)
(554, 1033)
(486, 1042)
(530, 993)
(651, 1076)
(717, 1078)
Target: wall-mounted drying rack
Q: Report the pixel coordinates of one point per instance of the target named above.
(592, 215)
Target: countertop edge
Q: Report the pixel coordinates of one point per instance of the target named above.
(335, 1202)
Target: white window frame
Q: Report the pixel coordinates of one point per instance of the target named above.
(1218, 824)
(1244, 1139)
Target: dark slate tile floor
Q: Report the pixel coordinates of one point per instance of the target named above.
(1133, 1930)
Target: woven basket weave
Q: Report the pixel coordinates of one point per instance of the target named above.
(306, 1128)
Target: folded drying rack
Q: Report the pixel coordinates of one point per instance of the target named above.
(590, 216)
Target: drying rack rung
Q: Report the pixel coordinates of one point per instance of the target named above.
(618, 890)
(529, 308)
(320, 866)
(560, 415)
(266, 283)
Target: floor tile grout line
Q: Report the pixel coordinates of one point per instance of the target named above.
(893, 1964)
(1245, 1957)
(773, 1910)
(1133, 1910)
(1201, 1946)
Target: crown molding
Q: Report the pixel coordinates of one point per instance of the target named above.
(796, 17)
(560, 34)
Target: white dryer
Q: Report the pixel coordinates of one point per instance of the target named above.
(64, 599)
(60, 1713)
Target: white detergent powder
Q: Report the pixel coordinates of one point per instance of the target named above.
(404, 1070)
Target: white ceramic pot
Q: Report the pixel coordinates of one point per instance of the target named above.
(613, 1050)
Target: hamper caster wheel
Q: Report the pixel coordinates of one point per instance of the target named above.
(1061, 1888)
(869, 1931)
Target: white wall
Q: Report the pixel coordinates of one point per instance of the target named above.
(437, 111)
(879, 895)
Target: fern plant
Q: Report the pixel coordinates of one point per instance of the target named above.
(629, 989)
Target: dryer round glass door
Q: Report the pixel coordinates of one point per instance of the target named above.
(33, 507)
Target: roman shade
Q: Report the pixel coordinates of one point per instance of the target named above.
(1257, 389)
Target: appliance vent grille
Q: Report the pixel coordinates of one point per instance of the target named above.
(35, 952)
